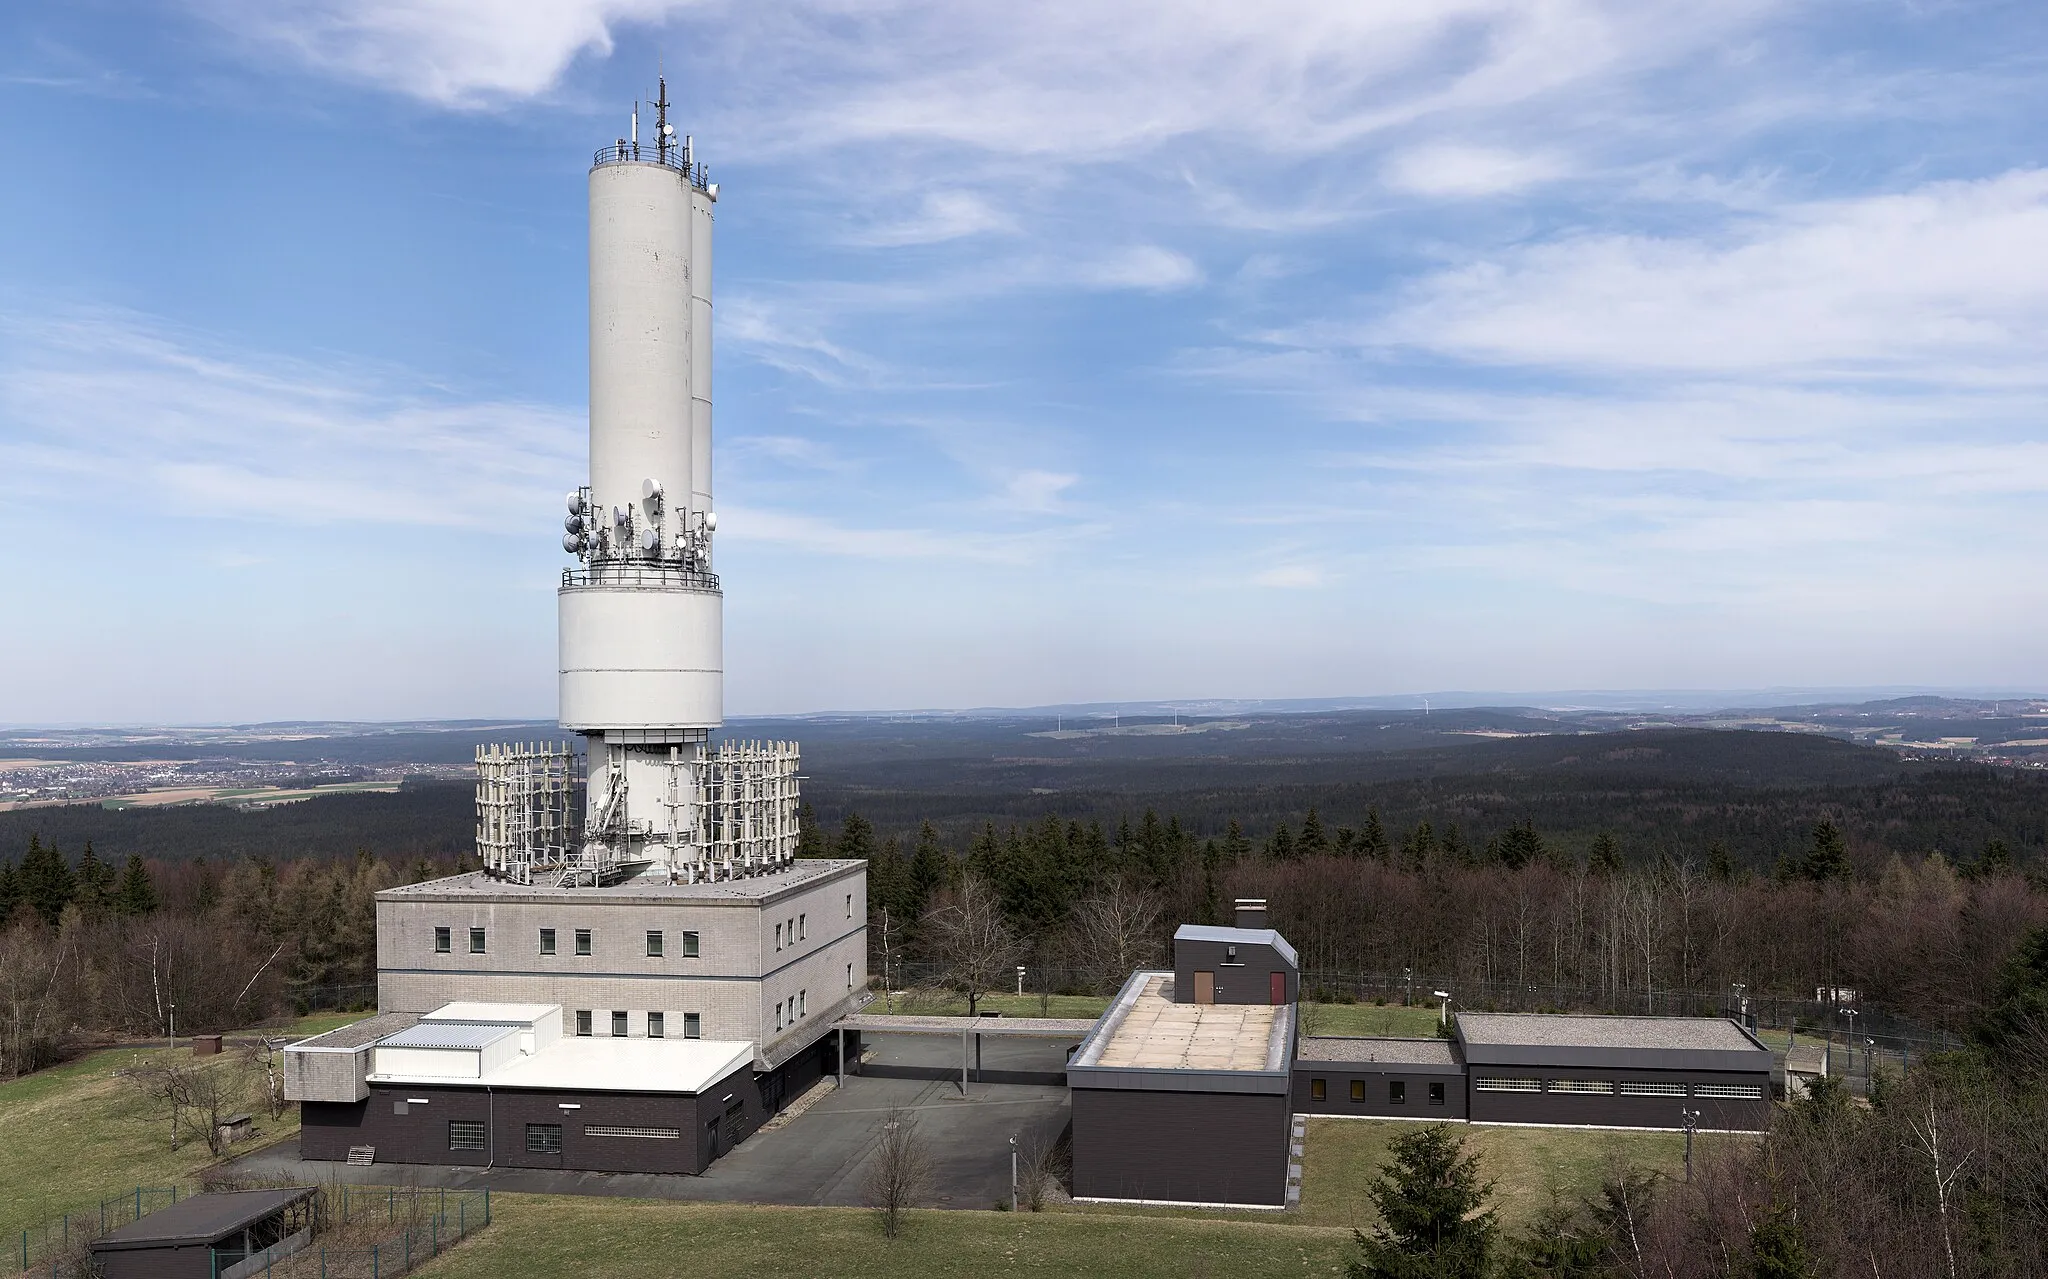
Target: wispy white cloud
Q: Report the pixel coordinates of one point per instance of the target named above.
(1453, 169)
(941, 216)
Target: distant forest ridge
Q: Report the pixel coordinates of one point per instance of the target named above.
(1658, 792)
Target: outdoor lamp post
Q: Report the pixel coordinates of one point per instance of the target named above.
(1020, 979)
(1408, 976)
(1444, 1014)
(174, 1026)
(1692, 1120)
(1013, 1166)
(1850, 1013)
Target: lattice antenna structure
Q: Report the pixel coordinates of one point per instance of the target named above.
(523, 827)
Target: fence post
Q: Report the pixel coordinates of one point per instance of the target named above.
(373, 1261)
(408, 1248)
(390, 1203)
(461, 1218)
(138, 1202)
(487, 1205)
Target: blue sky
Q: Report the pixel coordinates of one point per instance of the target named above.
(1066, 351)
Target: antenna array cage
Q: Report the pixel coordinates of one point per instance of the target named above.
(522, 809)
(750, 804)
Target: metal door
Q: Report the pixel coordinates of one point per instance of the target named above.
(1205, 988)
(1279, 989)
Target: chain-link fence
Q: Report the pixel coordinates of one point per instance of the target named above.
(58, 1247)
(371, 1232)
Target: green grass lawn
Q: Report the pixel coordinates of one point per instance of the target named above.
(1391, 1020)
(76, 1132)
(954, 1004)
(548, 1236)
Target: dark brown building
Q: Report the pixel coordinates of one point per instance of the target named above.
(1248, 964)
(214, 1236)
(1379, 1078)
(1614, 1072)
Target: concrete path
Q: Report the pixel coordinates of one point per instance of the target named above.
(820, 1157)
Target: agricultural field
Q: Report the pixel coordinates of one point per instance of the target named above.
(548, 1236)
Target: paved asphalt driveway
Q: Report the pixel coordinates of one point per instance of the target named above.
(818, 1157)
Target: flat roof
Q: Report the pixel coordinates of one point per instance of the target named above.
(1385, 1051)
(608, 1065)
(1565, 1030)
(478, 887)
(1146, 1030)
(450, 1035)
(914, 1024)
(501, 1014)
(359, 1034)
(1238, 937)
(201, 1218)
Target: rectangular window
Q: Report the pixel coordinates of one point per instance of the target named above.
(1397, 1092)
(657, 1026)
(693, 1026)
(778, 937)
(1507, 1085)
(849, 905)
(618, 1025)
(849, 976)
(583, 1022)
(654, 945)
(1436, 1094)
(1730, 1092)
(1318, 1090)
(547, 941)
(615, 1130)
(803, 1003)
(1584, 1087)
(583, 941)
(476, 941)
(544, 1139)
(689, 945)
(1230, 954)
(442, 944)
(1358, 1090)
(1644, 1088)
(465, 1134)
(803, 927)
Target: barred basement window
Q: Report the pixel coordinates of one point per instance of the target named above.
(1507, 1085)
(465, 1134)
(614, 1130)
(442, 945)
(544, 1139)
(1732, 1092)
(1643, 1088)
(1586, 1087)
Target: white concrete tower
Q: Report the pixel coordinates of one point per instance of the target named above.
(642, 617)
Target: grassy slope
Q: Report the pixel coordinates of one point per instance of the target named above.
(626, 1239)
(76, 1132)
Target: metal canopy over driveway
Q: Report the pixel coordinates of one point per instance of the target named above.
(970, 1029)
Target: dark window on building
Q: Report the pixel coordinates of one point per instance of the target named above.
(442, 943)
(654, 945)
(849, 905)
(1230, 954)
(618, 1025)
(1397, 1092)
(583, 1022)
(689, 945)
(544, 1139)
(583, 941)
(476, 941)
(547, 941)
(1436, 1094)
(1358, 1090)
(803, 927)
(778, 937)
(1318, 1090)
(693, 1026)
(465, 1134)
(655, 1026)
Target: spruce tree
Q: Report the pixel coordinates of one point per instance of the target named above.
(1313, 843)
(1829, 857)
(1455, 849)
(10, 892)
(1345, 842)
(1416, 849)
(46, 881)
(136, 895)
(1280, 844)
(1212, 883)
(1372, 841)
(1433, 1213)
(1518, 845)
(1236, 846)
(1776, 1250)
(856, 838)
(1996, 860)
(95, 884)
(811, 839)
(1606, 856)
(931, 866)
(1719, 867)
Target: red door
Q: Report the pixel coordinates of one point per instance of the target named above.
(1279, 989)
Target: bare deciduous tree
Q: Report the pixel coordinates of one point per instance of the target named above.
(968, 936)
(1116, 931)
(1043, 1163)
(900, 1172)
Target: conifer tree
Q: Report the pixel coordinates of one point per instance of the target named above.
(1212, 883)
(1280, 844)
(1996, 860)
(811, 839)
(95, 884)
(1606, 856)
(856, 838)
(1454, 846)
(931, 866)
(1236, 846)
(1416, 849)
(1719, 867)
(1433, 1213)
(1518, 845)
(1372, 840)
(136, 895)
(10, 892)
(1313, 843)
(1829, 857)
(46, 880)
(1345, 842)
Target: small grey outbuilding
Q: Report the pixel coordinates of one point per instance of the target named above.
(223, 1235)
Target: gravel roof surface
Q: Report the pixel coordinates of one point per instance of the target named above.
(359, 1033)
(477, 884)
(1551, 1030)
(1418, 1052)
